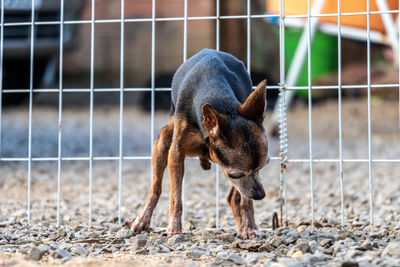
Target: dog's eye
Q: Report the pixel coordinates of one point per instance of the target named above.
(235, 175)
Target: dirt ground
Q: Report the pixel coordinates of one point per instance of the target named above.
(200, 196)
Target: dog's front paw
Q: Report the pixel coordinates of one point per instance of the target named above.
(141, 223)
(249, 233)
(174, 229)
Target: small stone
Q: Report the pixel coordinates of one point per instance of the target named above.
(297, 255)
(325, 242)
(226, 237)
(78, 250)
(177, 239)
(313, 246)
(218, 260)
(276, 264)
(301, 246)
(236, 259)
(142, 251)
(62, 254)
(266, 248)
(346, 235)
(367, 245)
(35, 254)
(349, 264)
(188, 226)
(211, 223)
(276, 241)
(139, 242)
(282, 250)
(376, 235)
(329, 251)
(318, 225)
(392, 250)
(253, 257)
(195, 254)
(302, 228)
(124, 233)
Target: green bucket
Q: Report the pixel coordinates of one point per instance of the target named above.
(324, 60)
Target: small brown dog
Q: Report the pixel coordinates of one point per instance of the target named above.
(217, 117)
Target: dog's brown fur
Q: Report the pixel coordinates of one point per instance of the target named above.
(180, 139)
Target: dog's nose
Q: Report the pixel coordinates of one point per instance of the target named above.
(259, 194)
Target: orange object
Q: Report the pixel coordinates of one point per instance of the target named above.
(300, 7)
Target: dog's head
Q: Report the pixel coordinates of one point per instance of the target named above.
(240, 145)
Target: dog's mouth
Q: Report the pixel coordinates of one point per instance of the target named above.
(254, 194)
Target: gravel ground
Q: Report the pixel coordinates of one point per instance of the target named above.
(321, 244)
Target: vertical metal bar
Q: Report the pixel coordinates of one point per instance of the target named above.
(217, 37)
(217, 173)
(282, 122)
(153, 56)
(121, 110)
(340, 112)
(310, 113)
(60, 105)
(185, 22)
(371, 202)
(30, 110)
(248, 37)
(184, 59)
(92, 24)
(1, 67)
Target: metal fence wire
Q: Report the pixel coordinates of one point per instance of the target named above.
(286, 86)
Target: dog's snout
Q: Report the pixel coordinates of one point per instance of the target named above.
(235, 174)
(268, 158)
(259, 194)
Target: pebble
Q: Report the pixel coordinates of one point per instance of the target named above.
(62, 254)
(124, 233)
(35, 254)
(297, 255)
(177, 239)
(78, 250)
(392, 250)
(302, 228)
(266, 248)
(325, 242)
(195, 254)
(276, 241)
(236, 259)
(139, 242)
(252, 257)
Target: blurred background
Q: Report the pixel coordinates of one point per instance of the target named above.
(169, 46)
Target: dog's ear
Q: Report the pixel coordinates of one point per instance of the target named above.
(254, 106)
(214, 122)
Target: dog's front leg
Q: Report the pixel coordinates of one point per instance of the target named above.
(176, 158)
(243, 212)
(159, 160)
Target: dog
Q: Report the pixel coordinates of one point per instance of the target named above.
(216, 116)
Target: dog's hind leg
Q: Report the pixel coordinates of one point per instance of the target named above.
(243, 212)
(159, 161)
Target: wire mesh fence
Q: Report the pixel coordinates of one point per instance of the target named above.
(287, 84)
